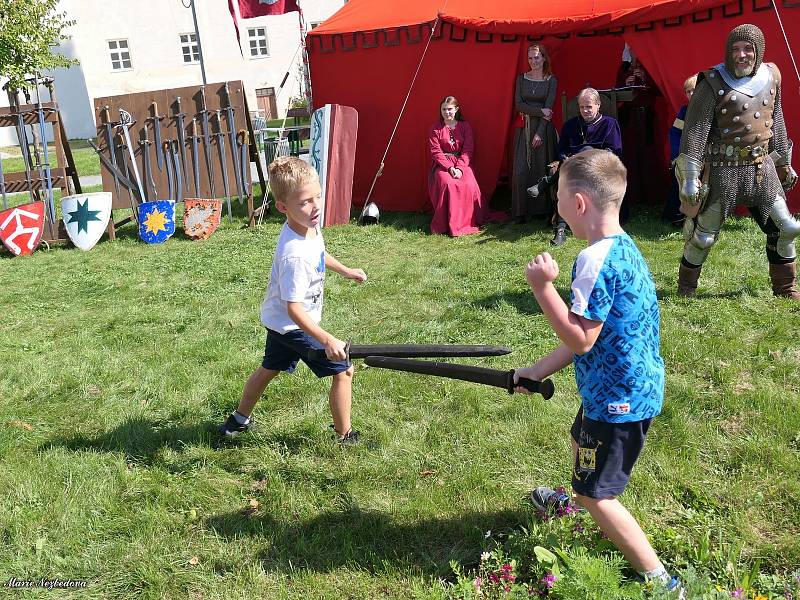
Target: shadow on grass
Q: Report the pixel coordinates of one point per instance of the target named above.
(369, 539)
(140, 439)
(523, 302)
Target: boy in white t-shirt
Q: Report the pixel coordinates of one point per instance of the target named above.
(292, 306)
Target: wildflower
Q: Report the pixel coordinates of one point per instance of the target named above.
(737, 593)
(760, 597)
(507, 567)
(548, 580)
(507, 588)
(485, 556)
(494, 578)
(478, 583)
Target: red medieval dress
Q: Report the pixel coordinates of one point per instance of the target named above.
(457, 208)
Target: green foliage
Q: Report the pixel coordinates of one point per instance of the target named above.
(29, 30)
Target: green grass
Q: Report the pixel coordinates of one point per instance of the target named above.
(86, 160)
(117, 363)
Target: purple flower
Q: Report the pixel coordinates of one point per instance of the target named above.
(507, 567)
(478, 583)
(737, 593)
(548, 580)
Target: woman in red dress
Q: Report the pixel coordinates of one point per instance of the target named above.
(453, 191)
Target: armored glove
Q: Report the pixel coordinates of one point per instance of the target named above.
(690, 190)
(787, 175)
(783, 165)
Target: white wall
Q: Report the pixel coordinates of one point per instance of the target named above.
(152, 28)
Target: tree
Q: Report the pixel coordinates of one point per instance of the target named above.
(30, 30)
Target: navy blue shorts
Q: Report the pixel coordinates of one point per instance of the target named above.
(283, 350)
(606, 455)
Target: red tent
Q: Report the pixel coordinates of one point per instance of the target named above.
(366, 54)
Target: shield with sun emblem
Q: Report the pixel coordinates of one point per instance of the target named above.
(86, 217)
(201, 217)
(156, 221)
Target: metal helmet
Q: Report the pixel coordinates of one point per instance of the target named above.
(370, 215)
(744, 33)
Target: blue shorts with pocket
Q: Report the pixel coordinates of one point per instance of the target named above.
(283, 350)
(606, 455)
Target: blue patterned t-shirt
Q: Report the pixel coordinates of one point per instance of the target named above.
(621, 379)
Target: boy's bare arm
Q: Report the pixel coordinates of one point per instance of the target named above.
(576, 332)
(545, 366)
(334, 347)
(334, 265)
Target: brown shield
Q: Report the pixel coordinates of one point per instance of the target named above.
(201, 217)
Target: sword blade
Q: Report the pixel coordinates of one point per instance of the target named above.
(492, 377)
(424, 351)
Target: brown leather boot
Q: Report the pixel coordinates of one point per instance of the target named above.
(687, 280)
(784, 280)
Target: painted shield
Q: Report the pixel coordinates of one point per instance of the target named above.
(86, 217)
(21, 227)
(156, 221)
(201, 217)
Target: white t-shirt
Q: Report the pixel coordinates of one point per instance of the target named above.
(298, 275)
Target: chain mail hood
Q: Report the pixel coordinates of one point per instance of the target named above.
(745, 33)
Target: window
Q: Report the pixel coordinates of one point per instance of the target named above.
(120, 55)
(258, 42)
(190, 49)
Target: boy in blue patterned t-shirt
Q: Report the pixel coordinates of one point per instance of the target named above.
(611, 335)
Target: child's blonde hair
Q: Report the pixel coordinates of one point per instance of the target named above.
(598, 173)
(287, 173)
(690, 83)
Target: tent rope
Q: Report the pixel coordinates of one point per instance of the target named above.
(788, 47)
(379, 172)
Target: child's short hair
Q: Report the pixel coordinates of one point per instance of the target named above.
(598, 173)
(690, 83)
(287, 173)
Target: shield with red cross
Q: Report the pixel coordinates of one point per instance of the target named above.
(21, 227)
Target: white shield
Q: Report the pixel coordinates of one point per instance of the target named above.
(86, 217)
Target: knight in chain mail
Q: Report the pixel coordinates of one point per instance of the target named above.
(735, 150)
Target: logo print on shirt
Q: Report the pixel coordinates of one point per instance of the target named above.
(321, 265)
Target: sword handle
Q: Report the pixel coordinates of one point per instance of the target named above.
(319, 354)
(545, 387)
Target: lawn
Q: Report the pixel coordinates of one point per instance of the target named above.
(118, 363)
(86, 161)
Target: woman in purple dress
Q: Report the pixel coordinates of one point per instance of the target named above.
(535, 142)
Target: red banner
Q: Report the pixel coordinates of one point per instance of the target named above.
(250, 9)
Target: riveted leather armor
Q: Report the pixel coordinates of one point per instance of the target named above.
(743, 124)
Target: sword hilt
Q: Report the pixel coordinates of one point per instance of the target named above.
(544, 387)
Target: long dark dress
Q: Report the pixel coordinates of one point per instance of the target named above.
(457, 208)
(531, 165)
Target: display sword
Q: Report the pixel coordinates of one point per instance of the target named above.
(156, 119)
(113, 169)
(195, 157)
(3, 186)
(493, 377)
(147, 168)
(207, 140)
(179, 115)
(223, 159)
(111, 151)
(414, 350)
(232, 137)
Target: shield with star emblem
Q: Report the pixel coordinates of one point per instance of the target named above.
(201, 217)
(156, 221)
(21, 227)
(86, 217)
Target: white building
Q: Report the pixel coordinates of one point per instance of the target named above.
(125, 47)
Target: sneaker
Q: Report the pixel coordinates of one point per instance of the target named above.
(546, 499)
(675, 585)
(351, 438)
(232, 428)
(559, 238)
